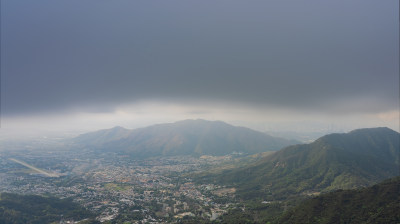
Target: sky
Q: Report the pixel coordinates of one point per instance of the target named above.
(291, 65)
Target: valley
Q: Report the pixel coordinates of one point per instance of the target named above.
(117, 186)
(199, 112)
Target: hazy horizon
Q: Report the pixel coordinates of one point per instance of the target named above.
(303, 66)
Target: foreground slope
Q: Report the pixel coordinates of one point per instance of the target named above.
(189, 137)
(377, 204)
(337, 161)
(37, 209)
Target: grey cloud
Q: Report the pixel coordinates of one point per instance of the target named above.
(96, 55)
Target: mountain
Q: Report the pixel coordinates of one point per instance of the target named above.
(337, 161)
(188, 137)
(102, 136)
(377, 204)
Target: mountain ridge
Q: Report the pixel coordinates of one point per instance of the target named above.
(336, 161)
(187, 137)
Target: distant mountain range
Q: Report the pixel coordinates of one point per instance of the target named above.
(188, 137)
(337, 161)
(377, 204)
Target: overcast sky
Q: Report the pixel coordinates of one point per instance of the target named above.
(86, 64)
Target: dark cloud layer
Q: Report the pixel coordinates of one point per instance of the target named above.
(94, 55)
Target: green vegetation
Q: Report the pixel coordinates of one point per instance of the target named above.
(377, 204)
(117, 186)
(37, 209)
(337, 161)
(253, 212)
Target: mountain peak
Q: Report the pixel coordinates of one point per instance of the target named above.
(199, 121)
(373, 130)
(362, 133)
(187, 137)
(118, 128)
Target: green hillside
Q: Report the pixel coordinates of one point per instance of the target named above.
(338, 161)
(372, 205)
(33, 209)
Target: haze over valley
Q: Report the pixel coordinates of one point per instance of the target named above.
(190, 171)
(199, 111)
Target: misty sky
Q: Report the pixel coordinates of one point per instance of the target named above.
(82, 65)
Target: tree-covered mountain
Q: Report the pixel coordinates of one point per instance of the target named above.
(188, 137)
(34, 209)
(377, 204)
(337, 161)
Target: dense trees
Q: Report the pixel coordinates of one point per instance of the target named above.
(37, 209)
(376, 204)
